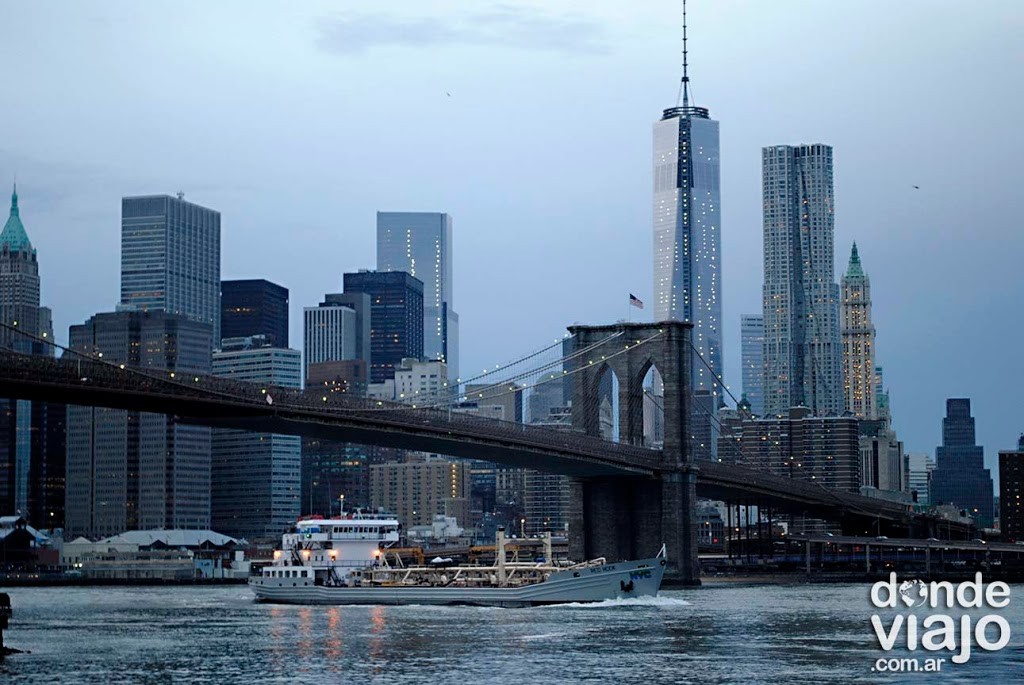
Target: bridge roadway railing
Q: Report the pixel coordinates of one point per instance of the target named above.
(232, 396)
(757, 482)
(239, 397)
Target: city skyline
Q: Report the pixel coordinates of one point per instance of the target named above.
(64, 219)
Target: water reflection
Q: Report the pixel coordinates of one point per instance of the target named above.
(725, 635)
(334, 642)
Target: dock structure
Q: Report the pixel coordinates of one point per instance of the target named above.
(5, 617)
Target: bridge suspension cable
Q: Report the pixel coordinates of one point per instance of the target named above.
(448, 396)
(553, 378)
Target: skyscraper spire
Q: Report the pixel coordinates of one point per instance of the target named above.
(684, 85)
(13, 235)
(854, 268)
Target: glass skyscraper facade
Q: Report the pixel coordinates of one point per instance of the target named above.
(256, 477)
(687, 233)
(960, 477)
(254, 307)
(420, 243)
(802, 351)
(170, 258)
(396, 318)
(130, 470)
(752, 360)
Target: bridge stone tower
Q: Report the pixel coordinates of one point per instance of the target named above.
(623, 517)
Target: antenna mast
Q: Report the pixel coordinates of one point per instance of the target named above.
(684, 86)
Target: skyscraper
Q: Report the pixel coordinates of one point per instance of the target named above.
(396, 318)
(29, 460)
(129, 470)
(802, 353)
(919, 475)
(420, 243)
(19, 283)
(687, 229)
(960, 477)
(1011, 493)
(254, 307)
(170, 258)
(799, 445)
(338, 329)
(752, 350)
(858, 341)
(256, 477)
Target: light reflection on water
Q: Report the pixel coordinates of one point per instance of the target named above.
(725, 634)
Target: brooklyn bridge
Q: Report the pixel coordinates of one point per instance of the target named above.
(626, 498)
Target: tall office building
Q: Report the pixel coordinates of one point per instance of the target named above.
(960, 477)
(752, 351)
(256, 477)
(337, 344)
(546, 496)
(919, 475)
(254, 307)
(881, 394)
(687, 230)
(802, 352)
(1011, 493)
(858, 341)
(129, 470)
(19, 283)
(170, 258)
(883, 464)
(420, 243)
(396, 318)
(338, 329)
(799, 445)
(31, 460)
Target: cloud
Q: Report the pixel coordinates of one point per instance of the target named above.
(500, 25)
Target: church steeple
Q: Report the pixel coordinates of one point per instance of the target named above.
(14, 236)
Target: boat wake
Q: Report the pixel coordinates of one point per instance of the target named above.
(617, 603)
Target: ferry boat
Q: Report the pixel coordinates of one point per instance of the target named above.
(347, 561)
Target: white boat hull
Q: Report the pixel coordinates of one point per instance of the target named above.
(586, 584)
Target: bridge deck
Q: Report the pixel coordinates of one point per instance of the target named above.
(225, 403)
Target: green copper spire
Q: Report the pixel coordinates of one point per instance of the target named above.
(14, 236)
(854, 268)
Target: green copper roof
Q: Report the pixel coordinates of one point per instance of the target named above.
(854, 268)
(14, 235)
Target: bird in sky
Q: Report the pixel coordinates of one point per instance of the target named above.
(917, 187)
(447, 93)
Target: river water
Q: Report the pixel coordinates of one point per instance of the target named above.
(715, 634)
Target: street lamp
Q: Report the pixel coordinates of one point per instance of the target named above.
(522, 527)
(341, 505)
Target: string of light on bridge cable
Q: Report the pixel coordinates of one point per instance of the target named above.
(515, 383)
(507, 385)
(565, 364)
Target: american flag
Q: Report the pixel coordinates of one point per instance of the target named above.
(636, 301)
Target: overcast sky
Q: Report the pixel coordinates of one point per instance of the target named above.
(298, 121)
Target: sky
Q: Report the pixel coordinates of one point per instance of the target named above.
(530, 123)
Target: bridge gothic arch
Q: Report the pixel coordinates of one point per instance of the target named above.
(620, 518)
(630, 350)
